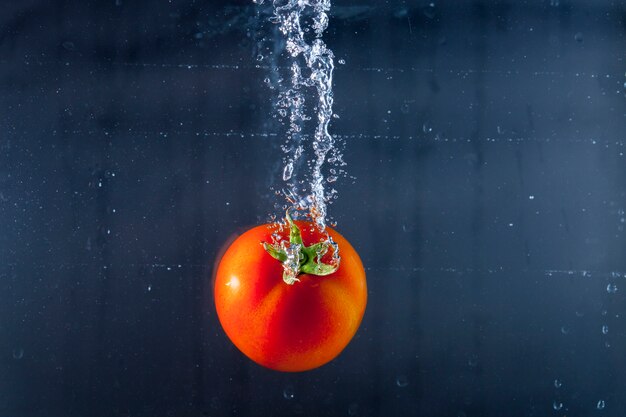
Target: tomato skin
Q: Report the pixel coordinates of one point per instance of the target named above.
(285, 327)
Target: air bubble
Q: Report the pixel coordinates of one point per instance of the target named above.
(558, 383)
(605, 329)
(557, 405)
(578, 37)
(565, 330)
(288, 171)
(18, 353)
(402, 381)
(289, 393)
(429, 11)
(611, 288)
(342, 62)
(601, 404)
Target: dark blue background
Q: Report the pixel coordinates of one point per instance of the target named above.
(487, 142)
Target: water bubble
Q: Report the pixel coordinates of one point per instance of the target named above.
(68, 45)
(429, 11)
(289, 393)
(473, 361)
(288, 171)
(18, 353)
(601, 404)
(605, 329)
(611, 288)
(558, 383)
(578, 37)
(557, 405)
(402, 381)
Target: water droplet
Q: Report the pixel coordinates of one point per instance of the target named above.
(558, 383)
(402, 381)
(605, 329)
(611, 288)
(18, 353)
(578, 37)
(557, 405)
(289, 393)
(601, 404)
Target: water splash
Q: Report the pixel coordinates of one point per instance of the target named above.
(302, 24)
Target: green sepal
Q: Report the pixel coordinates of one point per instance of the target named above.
(274, 252)
(311, 263)
(294, 231)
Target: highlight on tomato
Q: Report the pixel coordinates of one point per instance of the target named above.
(285, 300)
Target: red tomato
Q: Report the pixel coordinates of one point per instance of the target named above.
(288, 327)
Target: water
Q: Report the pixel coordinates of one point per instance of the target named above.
(137, 138)
(302, 24)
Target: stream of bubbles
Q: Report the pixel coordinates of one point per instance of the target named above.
(302, 23)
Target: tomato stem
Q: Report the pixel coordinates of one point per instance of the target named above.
(300, 259)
